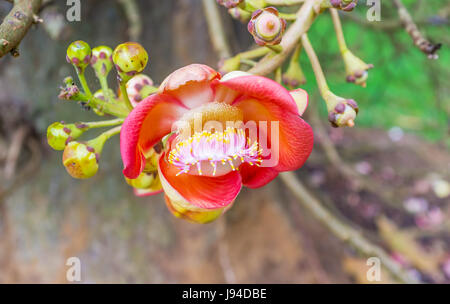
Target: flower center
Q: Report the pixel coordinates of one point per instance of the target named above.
(218, 153)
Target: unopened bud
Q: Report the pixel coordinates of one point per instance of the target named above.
(130, 58)
(139, 87)
(341, 112)
(266, 26)
(192, 213)
(81, 159)
(345, 5)
(101, 60)
(294, 75)
(59, 134)
(229, 3)
(356, 69)
(79, 54)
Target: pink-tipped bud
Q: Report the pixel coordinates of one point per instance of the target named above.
(266, 26)
(356, 69)
(229, 3)
(341, 112)
(139, 87)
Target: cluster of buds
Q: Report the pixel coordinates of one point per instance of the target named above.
(345, 5)
(341, 112)
(356, 69)
(81, 158)
(266, 26)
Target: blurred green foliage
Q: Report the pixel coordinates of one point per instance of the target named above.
(405, 88)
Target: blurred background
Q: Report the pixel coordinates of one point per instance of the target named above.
(387, 178)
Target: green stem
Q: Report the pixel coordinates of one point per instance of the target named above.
(83, 82)
(283, 2)
(104, 123)
(278, 75)
(318, 72)
(111, 132)
(338, 28)
(105, 88)
(276, 48)
(126, 99)
(109, 108)
(248, 62)
(288, 17)
(254, 53)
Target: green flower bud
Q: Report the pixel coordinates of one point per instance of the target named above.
(356, 69)
(79, 54)
(229, 3)
(294, 76)
(59, 134)
(145, 181)
(130, 58)
(192, 213)
(101, 60)
(341, 112)
(139, 87)
(81, 159)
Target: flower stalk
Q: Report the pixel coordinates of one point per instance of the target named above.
(341, 112)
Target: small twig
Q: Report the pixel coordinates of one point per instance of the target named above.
(341, 230)
(215, 28)
(16, 24)
(131, 10)
(419, 40)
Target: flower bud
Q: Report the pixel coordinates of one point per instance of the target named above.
(100, 95)
(79, 54)
(146, 184)
(345, 5)
(130, 58)
(192, 213)
(59, 134)
(240, 14)
(80, 160)
(139, 87)
(101, 60)
(341, 112)
(356, 69)
(229, 3)
(294, 76)
(266, 26)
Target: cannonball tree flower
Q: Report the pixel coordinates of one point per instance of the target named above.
(202, 173)
(266, 26)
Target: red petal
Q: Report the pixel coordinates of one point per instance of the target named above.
(261, 88)
(295, 135)
(255, 177)
(146, 124)
(205, 192)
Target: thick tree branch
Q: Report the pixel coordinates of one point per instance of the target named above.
(419, 40)
(17, 23)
